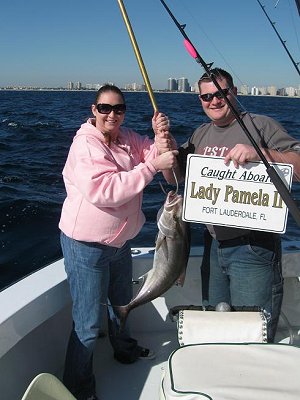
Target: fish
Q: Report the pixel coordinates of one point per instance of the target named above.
(172, 248)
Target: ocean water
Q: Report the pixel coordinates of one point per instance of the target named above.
(36, 130)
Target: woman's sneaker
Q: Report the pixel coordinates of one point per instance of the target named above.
(146, 354)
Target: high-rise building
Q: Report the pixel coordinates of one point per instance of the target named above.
(244, 89)
(172, 84)
(135, 86)
(281, 92)
(70, 85)
(272, 91)
(262, 90)
(93, 86)
(290, 91)
(183, 85)
(196, 87)
(254, 91)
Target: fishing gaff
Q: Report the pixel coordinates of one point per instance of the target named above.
(138, 54)
(141, 64)
(277, 181)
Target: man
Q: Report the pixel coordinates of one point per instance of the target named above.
(240, 266)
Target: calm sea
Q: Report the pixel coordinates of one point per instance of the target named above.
(36, 130)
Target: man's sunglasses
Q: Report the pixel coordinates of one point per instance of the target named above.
(104, 108)
(209, 96)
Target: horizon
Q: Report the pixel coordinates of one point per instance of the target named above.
(123, 87)
(157, 91)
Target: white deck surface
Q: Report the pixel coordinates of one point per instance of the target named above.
(35, 322)
(140, 380)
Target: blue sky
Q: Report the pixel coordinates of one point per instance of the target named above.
(48, 43)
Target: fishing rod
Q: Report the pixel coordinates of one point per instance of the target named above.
(298, 6)
(138, 54)
(277, 181)
(282, 41)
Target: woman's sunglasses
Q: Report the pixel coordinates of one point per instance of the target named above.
(104, 108)
(209, 96)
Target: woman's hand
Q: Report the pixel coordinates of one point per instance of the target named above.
(166, 160)
(164, 142)
(160, 123)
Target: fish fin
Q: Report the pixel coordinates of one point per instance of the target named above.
(143, 279)
(181, 279)
(159, 213)
(159, 240)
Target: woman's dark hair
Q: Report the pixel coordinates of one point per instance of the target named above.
(109, 88)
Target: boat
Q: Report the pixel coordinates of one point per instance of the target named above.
(35, 322)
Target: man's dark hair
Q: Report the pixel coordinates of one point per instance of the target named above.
(218, 74)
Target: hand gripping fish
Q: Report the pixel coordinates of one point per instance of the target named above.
(171, 256)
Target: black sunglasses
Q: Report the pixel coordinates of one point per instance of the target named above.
(104, 108)
(209, 96)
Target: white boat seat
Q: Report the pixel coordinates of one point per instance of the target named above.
(229, 371)
(224, 356)
(196, 326)
(47, 387)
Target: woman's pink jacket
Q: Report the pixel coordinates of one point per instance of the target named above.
(105, 186)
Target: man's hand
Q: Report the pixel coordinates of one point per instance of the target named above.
(240, 154)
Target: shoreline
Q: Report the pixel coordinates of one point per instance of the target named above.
(127, 91)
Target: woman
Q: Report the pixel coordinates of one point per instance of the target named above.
(107, 168)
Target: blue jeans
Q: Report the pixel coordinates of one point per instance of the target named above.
(97, 275)
(245, 271)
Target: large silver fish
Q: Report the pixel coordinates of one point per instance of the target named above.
(171, 255)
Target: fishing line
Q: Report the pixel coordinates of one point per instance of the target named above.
(237, 78)
(203, 32)
(277, 181)
(292, 15)
(280, 38)
(191, 15)
(176, 183)
(193, 54)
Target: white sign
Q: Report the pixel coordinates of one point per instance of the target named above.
(243, 197)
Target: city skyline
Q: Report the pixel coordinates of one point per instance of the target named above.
(66, 41)
(173, 84)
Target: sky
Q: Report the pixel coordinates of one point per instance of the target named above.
(49, 43)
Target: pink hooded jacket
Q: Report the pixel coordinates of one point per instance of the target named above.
(105, 186)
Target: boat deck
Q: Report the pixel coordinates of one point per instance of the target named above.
(35, 322)
(140, 380)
